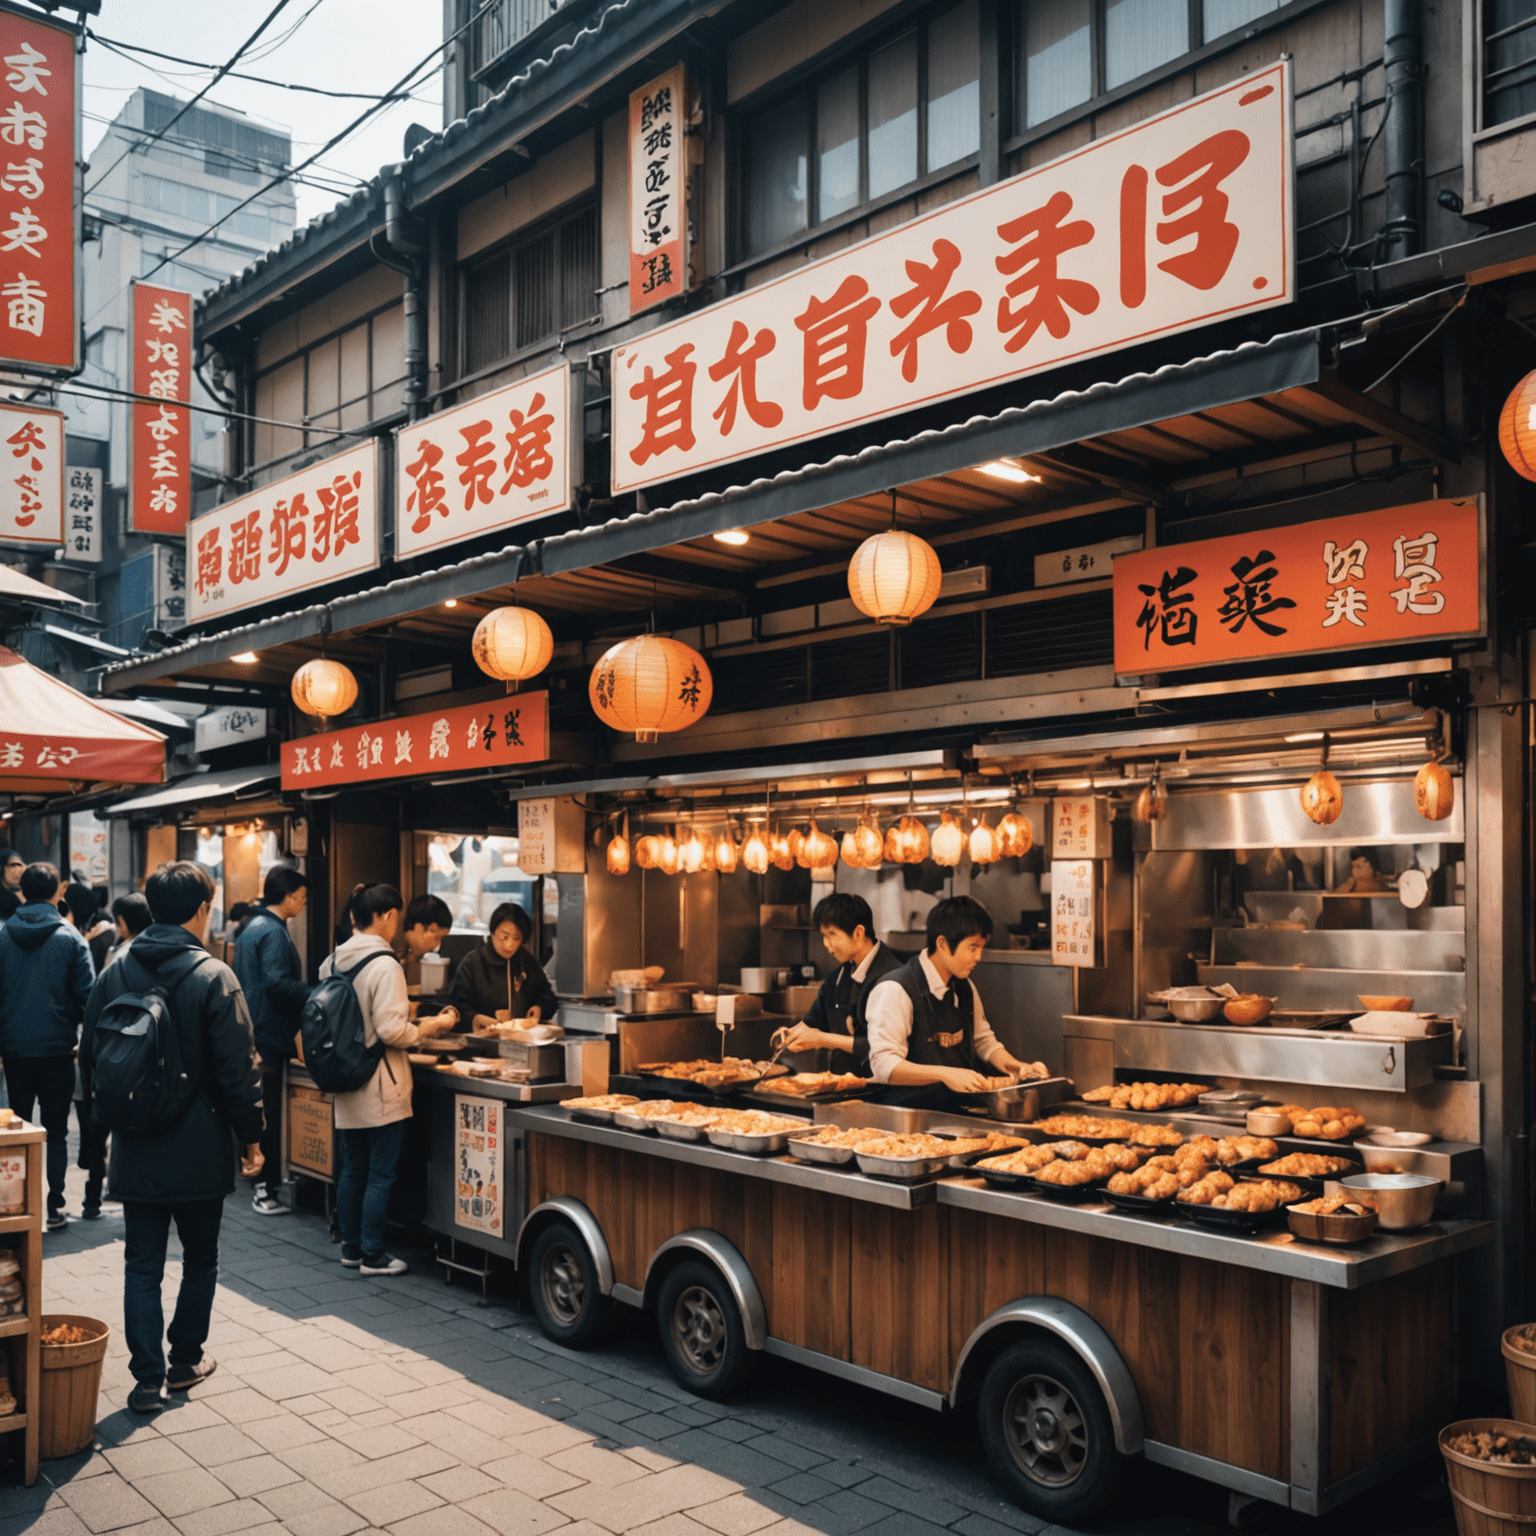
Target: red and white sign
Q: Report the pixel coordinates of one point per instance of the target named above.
(160, 475)
(658, 186)
(39, 131)
(501, 459)
(31, 475)
(1355, 579)
(510, 730)
(303, 531)
(1182, 220)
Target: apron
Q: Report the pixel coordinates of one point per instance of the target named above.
(942, 1035)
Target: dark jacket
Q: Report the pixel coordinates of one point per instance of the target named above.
(196, 1159)
(841, 1003)
(485, 982)
(267, 965)
(45, 979)
(10, 903)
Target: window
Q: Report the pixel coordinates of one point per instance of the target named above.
(1509, 60)
(530, 292)
(908, 106)
(1070, 51)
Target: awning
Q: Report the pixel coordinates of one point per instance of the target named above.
(53, 738)
(14, 583)
(90, 642)
(148, 713)
(200, 789)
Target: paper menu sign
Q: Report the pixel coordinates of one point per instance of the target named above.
(1074, 913)
(1080, 828)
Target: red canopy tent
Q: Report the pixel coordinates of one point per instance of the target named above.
(54, 740)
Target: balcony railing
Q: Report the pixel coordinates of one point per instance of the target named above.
(505, 25)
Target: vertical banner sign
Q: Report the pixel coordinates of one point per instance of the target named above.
(160, 474)
(658, 183)
(31, 475)
(82, 515)
(1074, 915)
(39, 129)
(477, 1165)
(170, 587)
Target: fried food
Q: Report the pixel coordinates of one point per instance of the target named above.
(1147, 1096)
(856, 1136)
(692, 1114)
(1258, 1196)
(601, 1101)
(656, 1109)
(1027, 1159)
(993, 1141)
(753, 1122)
(1074, 1173)
(1507, 1450)
(799, 1085)
(1151, 1183)
(912, 1145)
(1327, 1205)
(709, 1074)
(1204, 1145)
(1205, 1191)
(1326, 1123)
(1244, 1149)
(1155, 1136)
(1084, 1125)
(1308, 1165)
(1125, 1159)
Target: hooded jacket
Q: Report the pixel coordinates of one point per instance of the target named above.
(485, 982)
(45, 980)
(197, 1157)
(386, 1007)
(267, 964)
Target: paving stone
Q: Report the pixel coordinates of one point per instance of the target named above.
(447, 1521)
(528, 1474)
(751, 1468)
(294, 1499)
(184, 1417)
(107, 1503)
(591, 1465)
(337, 1520)
(385, 1440)
(183, 1493)
(214, 1446)
(980, 1525)
(511, 1513)
(921, 1505)
(459, 1484)
(782, 1448)
(546, 1441)
(904, 1525)
(393, 1502)
(804, 1488)
(674, 1525)
(221, 1519)
(737, 1515)
(284, 1432)
(144, 1458)
(256, 1474)
(846, 1511)
(51, 1522)
(420, 1461)
(289, 1381)
(631, 1505)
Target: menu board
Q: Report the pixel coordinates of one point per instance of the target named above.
(477, 1200)
(311, 1132)
(1074, 913)
(1080, 828)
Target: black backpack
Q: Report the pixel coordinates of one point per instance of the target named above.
(139, 1081)
(336, 1053)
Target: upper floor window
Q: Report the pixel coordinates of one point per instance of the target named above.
(869, 126)
(1073, 50)
(1509, 60)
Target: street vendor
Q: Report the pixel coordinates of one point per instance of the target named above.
(928, 1032)
(426, 924)
(502, 977)
(836, 1021)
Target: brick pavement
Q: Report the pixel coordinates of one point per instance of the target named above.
(347, 1405)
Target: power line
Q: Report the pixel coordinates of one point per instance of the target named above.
(224, 69)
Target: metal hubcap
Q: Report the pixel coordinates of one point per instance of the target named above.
(1046, 1431)
(698, 1328)
(562, 1286)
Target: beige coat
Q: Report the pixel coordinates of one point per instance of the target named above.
(386, 1016)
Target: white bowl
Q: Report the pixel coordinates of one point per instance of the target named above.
(1385, 1136)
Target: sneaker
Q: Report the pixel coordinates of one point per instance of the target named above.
(147, 1397)
(182, 1379)
(351, 1258)
(266, 1204)
(383, 1264)
(56, 1222)
(91, 1213)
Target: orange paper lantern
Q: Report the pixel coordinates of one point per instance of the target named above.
(948, 841)
(512, 644)
(755, 852)
(649, 685)
(726, 852)
(618, 855)
(1016, 835)
(1517, 428)
(894, 576)
(324, 688)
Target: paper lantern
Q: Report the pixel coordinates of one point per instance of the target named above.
(893, 844)
(796, 841)
(726, 852)
(1517, 428)
(325, 688)
(1434, 792)
(754, 852)
(983, 844)
(850, 852)
(1016, 835)
(894, 576)
(866, 837)
(649, 685)
(818, 850)
(646, 851)
(1322, 798)
(690, 853)
(911, 841)
(512, 644)
(780, 852)
(618, 855)
(667, 855)
(948, 841)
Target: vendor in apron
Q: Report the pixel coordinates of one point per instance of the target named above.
(928, 1033)
(835, 1021)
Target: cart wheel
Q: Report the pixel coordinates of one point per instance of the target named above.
(701, 1331)
(1047, 1431)
(562, 1281)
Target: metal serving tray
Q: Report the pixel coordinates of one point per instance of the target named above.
(758, 1145)
(815, 1151)
(907, 1169)
(593, 1116)
(679, 1130)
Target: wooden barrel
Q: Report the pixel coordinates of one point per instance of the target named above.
(1520, 1371)
(1491, 1500)
(71, 1383)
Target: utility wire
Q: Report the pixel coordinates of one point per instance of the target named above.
(224, 69)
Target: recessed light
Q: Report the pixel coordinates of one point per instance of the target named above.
(1007, 469)
(1305, 736)
(451, 602)
(245, 658)
(732, 536)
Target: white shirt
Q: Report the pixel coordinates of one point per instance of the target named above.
(888, 1014)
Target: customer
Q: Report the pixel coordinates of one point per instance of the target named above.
(45, 980)
(131, 914)
(272, 978)
(372, 1118)
(11, 866)
(502, 975)
(94, 924)
(181, 1174)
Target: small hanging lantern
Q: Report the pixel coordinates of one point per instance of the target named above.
(894, 576)
(780, 851)
(690, 853)
(667, 854)
(1016, 835)
(818, 850)
(649, 685)
(754, 852)
(983, 843)
(1434, 791)
(850, 851)
(1322, 798)
(618, 850)
(727, 854)
(512, 644)
(646, 851)
(324, 688)
(1517, 428)
(1152, 802)
(913, 841)
(866, 837)
(796, 841)
(948, 841)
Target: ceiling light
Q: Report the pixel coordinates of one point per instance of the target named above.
(1010, 469)
(1305, 736)
(451, 602)
(732, 536)
(245, 658)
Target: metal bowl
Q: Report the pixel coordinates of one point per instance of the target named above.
(1335, 1227)
(1195, 1010)
(1402, 1200)
(1023, 1101)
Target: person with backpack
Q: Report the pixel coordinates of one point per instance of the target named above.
(357, 1029)
(168, 1064)
(272, 978)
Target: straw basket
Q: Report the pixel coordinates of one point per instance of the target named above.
(71, 1382)
(1520, 1369)
(1491, 1500)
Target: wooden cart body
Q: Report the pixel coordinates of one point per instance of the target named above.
(1279, 1369)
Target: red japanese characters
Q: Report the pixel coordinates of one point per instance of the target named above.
(160, 485)
(31, 475)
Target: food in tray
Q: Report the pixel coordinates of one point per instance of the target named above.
(799, 1085)
(692, 1114)
(1204, 1191)
(1259, 1195)
(914, 1145)
(992, 1141)
(1148, 1181)
(1484, 1445)
(1309, 1165)
(711, 1074)
(1074, 1173)
(601, 1101)
(1330, 1205)
(657, 1109)
(859, 1137)
(1522, 1338)
(1155, 1136)
(1244, 1149)
(1028, 1159)
(753, 1122)
(1147, 1096)
(479, 1069)
(1325, 1123)
(1084, 1125)
(1124, 1159)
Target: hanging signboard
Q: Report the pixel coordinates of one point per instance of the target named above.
(1074, 914)
(1356, 579)
(501, 459)
(1177, 222)
(31, 474)
(658, 183)
(82, 515)
(1080, 828)
(39, 218)
(478, 1195)
(304, 531)
(160, 465)
(514, 729)
(224, 727)
(170, 594)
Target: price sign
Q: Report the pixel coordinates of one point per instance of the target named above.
(1080, 828)
(1074, 913)
(478, 1195)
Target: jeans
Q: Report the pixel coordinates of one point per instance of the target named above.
(49, 1082)
(93, 1156)
(368, 1161)
(272, 1124)
(148, 1228)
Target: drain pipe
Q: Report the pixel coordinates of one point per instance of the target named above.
(404, 249)
(1404, 131)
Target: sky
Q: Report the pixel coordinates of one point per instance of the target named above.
(342, 45)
